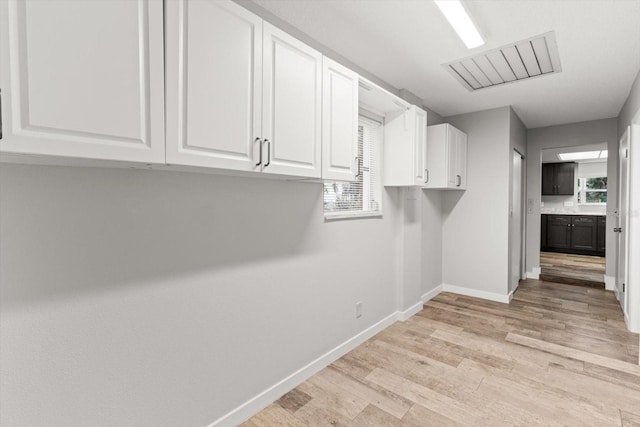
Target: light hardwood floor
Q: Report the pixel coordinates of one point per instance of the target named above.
(556, 355)
(572, 269)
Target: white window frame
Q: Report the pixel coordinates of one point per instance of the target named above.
(333, 216)
(582, 190)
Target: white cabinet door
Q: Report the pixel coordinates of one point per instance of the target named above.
(291, 105)
(214, 84)
(452, 157)
(461, 164)
(339, 122)
(420, 145)
(83, 78)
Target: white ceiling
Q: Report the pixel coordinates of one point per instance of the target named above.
(405, 43)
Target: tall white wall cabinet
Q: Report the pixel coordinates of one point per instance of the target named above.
(241, 94)
(83, 79)
(405, 136)
(339, 122)
(446, 158)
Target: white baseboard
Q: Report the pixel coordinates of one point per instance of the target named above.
(511, 295)
(404, 315)
(431, 294)
(534, 273)
(262, 400)
(476, 293)
(609, 283)
(417, 307)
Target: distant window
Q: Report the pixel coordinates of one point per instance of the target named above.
(361, 197)
(592, 191)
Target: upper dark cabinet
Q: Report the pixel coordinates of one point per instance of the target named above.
(558, 179)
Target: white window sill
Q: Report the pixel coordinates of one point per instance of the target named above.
(338, 216)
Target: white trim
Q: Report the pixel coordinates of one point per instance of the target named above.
(262, 400)
(431, 294)
(476, 293)
(534, 274)
(404, 315)
(510, 296)
(609, 283)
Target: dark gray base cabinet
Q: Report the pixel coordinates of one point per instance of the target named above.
(574, 234)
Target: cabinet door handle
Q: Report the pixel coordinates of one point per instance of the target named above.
(426, 176)
(268, 153)
(459, 180)
(259, 141)
(358, 164)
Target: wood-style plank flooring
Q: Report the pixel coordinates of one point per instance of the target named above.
(556, 355)
(572, 269)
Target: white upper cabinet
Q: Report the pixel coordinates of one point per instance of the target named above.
(83, 79)
(405, 140)
(339, 122)
(214, 85)
(241, 94)
(291, 105)
(446, 158)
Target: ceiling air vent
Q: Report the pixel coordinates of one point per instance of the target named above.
(534, 57)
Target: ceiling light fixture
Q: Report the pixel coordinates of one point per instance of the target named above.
(459, 19)
(584, 155)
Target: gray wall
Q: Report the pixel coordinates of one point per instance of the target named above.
(475, 235)
(432, 229)
(571, 135)
(163, 298)
(630, 107)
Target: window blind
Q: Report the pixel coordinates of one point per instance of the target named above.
(361, 197)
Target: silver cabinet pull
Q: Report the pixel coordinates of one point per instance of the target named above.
(426, 176)
(359, 168)
(258, 140)
(459, 179)
(268, 153)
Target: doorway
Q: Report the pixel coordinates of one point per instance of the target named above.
(573, 216)
(517, 224)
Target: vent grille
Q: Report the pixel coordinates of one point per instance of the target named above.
(534, 57)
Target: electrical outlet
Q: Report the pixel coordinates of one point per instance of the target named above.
(358, 310)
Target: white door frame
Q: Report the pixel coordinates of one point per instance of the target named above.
(633, 236)
(521, 231)
(623, 222)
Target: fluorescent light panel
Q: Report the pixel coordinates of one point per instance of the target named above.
(584, 155)
(461, 22)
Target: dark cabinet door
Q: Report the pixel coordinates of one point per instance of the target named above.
(559, 231)
(602, 233)
(548, 179)
(543, 232)
(584, 233)
(558, 179)
(565, 180)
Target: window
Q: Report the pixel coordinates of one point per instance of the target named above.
(592, 190)
(361, 197)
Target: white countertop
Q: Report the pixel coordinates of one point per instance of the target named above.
(574, 213)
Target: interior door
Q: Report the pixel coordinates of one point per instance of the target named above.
(214, 79)
(99, 95)
(291, 105)
(623, 221)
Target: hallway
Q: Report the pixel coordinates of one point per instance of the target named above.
(556, 355)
